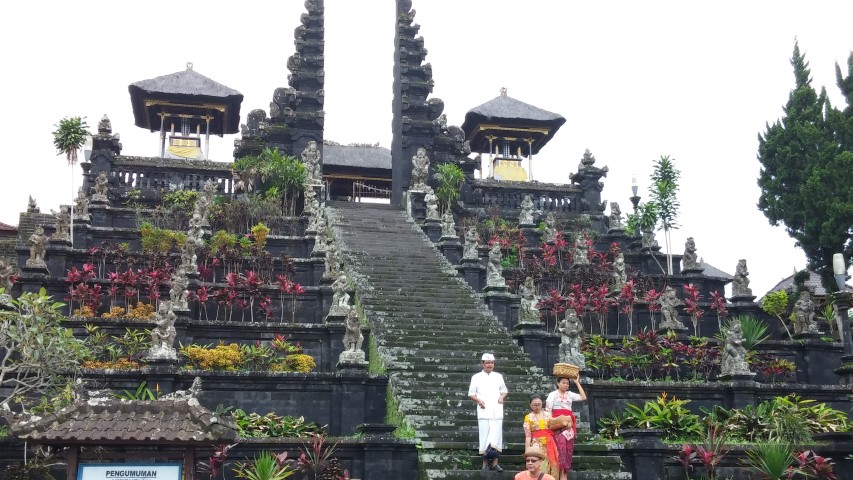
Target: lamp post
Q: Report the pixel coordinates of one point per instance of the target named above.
(635, 199)
(843, 302)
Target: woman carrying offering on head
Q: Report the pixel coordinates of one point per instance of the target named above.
(559, 404)
(537, 435)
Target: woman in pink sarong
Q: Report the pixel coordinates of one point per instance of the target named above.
(559, 403)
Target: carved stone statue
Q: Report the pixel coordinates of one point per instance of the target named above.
(102, 188)
(649, 241)
(37, 241)
(431, 204)
(81, 205)
(494, 269)
(352, 354)
(581, 256)
(7, 271)
(571, 339)
(178, 291)
(333, 261)
(205, 201)
(163, 334)
(615, 218)
(732, 361)
(311, 203)
(32, 207)
(550, 232)
(740, 284)
(529, 309)
(448, 226)
(420, 169)
(804, 315)
(311, 158)
(340, 297)
(63, 223)
(620, 277)
(690, 261)
(320, 240)
(526, 215)
(189, 259)
(472, 242)
(669, 302)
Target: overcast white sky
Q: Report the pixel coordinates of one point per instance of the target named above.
(635, 80)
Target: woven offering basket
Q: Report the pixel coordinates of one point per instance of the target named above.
(566, 370)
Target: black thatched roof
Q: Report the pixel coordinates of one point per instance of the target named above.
(186, 92)
(513, 116)
(357, 156)
(712, 271)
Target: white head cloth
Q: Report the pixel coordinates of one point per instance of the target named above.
(487, 357)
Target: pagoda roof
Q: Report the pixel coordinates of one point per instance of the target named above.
(102, 421)
(358, 156)
(187, 92)
(506, 116)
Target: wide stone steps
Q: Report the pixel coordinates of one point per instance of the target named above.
(430, 329)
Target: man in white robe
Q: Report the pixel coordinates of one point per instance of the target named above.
(489, 391)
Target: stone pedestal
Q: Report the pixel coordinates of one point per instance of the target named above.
(335, 318)
(161, 358)
(743, 389)
(451, 248)
(56, 255)
(533, 237)
(432, 229)
(533, 339)
(99, 213)
(674, 326)
(32, 277)
(473, 272)
(352, 360)
(499, 299)
(416, 206)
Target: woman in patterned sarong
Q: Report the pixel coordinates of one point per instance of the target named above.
(537, 435)
(559, 403)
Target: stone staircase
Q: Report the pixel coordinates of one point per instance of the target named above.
(430, 329)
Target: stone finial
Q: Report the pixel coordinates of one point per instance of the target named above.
(81, 205)
(503, 91)
(163, 334)
(587, 160)
(525, 217)
(740, 283)
(494, 268)
(571, 340)
(189, 66)
(32, 207)
(105, 127)
(733, 359)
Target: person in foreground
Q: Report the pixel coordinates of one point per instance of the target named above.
(533, 459)
(559, 404)
(537, 434)
(489, 391)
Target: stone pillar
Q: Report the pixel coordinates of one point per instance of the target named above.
(532, 338)
(498, 299)
(432, 229)
(742, 390)
(843, 302)
(451, 248)
(57, 253)
(532, 235)
(416, 205)
(473, 272)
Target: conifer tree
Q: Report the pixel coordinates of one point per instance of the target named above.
(806, 175)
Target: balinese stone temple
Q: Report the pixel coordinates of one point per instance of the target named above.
(332, 302)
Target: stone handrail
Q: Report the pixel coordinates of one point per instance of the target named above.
(547, 197)
(155, 173)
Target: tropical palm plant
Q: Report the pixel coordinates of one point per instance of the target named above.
(771, 461)
(663, 193)
(265, 466)
(68, 138)
(449, 177)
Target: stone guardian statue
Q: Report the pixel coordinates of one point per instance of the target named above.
(525, 217)
(37, 241)
(420, 169)
(740, 283)
(163, 334)
(669, 302)
(733, 359)
(472, 242)
(690, 260)
(529, 309)
(311, 158)
(571, 339)
(616, 224)
(494, 269)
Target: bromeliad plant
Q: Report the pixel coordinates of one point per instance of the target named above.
(253, 425)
